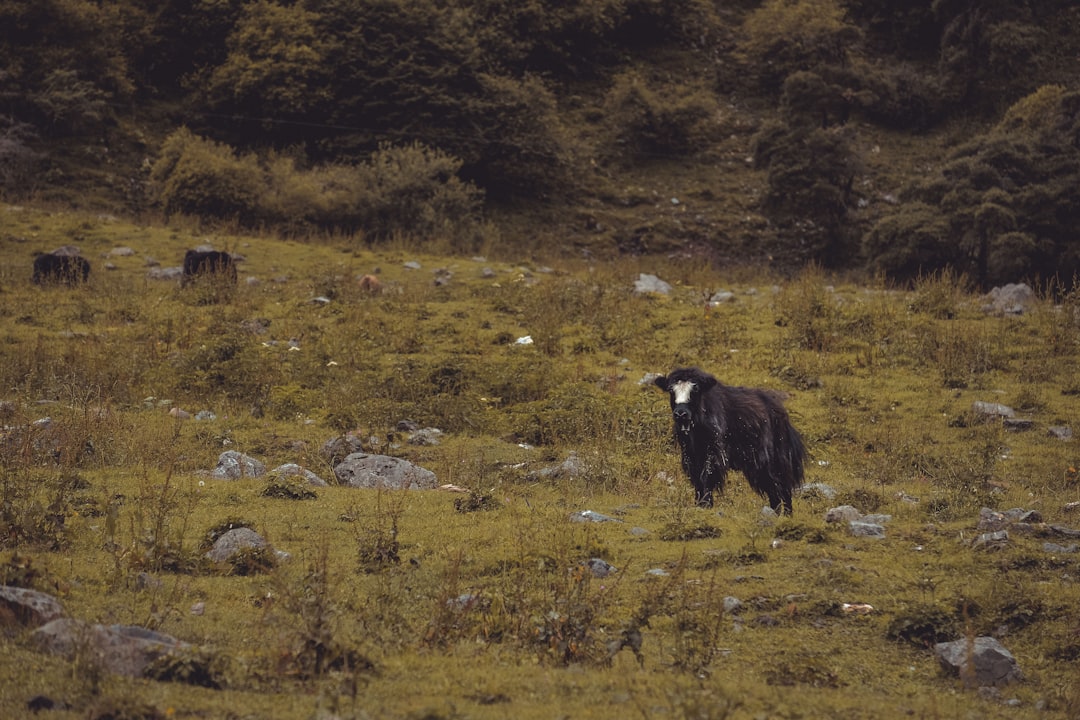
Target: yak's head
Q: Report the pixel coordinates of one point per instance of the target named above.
(686, 387)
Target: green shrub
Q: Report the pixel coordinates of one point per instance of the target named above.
(782, 36)
(196, 176)
(1001, 210)
(645, 119)
(811, 172)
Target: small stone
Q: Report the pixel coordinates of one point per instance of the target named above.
(591, 516)
(599, 567)
(991, 541)
(860, 528)
(816, 489)
(990, 409)
(650, 284)
(1055, 549)
(843, 513)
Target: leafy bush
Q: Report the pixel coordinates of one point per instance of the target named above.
(409, 191)
(197, 176)
(70, 104)
(415, 190)
(783, 36)
(644, 119)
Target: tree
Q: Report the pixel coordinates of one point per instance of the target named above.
(1004, 207)
(811, 172)
(275, 68)
(784, 36)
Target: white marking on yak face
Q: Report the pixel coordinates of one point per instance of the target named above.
(680, 391)
(680, 400)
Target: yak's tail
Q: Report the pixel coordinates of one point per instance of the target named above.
(793, 457)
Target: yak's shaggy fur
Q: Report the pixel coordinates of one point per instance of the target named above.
(721, 428)
(64, 269)
(210, 264)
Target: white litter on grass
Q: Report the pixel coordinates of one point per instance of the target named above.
(526, 340)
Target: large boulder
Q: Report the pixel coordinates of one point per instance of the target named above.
(1011, 299)
(983, 661)
(233, 465)
(121, 649)
(234, 541)
(22, 606)
(362, 470)
(288, 470)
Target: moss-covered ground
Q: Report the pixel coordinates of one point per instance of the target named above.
(435, 604)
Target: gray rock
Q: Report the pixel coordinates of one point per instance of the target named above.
(1055, 549)
(233, 465)
(657, 572)
(1061, 432)
(27, 607)
(121, 252)
(992, 520)
(412, 265)
(426, 436)
(1018, 424)
(646, 284)
(165, 273)
(1011, 299)
(722, 296)
(816, 488)
(861, 528)
(991, 540)
(732, 605)
(290, 469)
(462, 602)
(841, 514)
(989, 409)
(362, 470)
(571, 467)
(334, 450)
(991, 664)
(591, 516)
(599, 567)
(879, 518)
(234, 541)
(120, 649)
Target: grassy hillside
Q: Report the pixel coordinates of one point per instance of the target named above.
(437, 604)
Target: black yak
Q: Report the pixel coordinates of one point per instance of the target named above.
(210, 264)
(54, 268)
(721, 428)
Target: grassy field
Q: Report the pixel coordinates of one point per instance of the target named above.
(435, 604)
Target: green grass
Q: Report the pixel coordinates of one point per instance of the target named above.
(364, 619)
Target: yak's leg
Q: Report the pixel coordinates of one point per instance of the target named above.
(703, 494)
(711, 478)
(780, 500)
